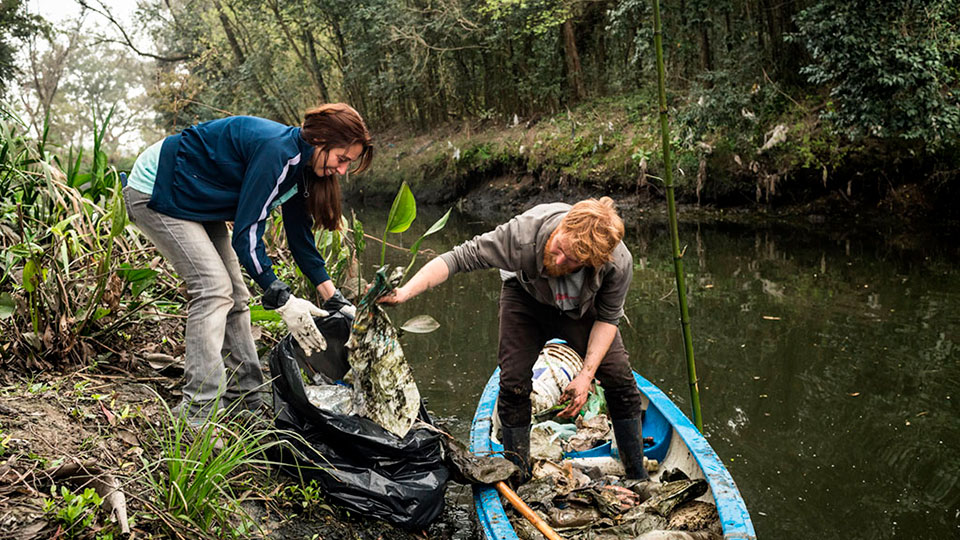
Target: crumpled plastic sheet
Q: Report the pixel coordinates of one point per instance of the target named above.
(330, 397)
(384, 388)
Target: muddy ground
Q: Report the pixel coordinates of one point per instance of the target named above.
(101, 416)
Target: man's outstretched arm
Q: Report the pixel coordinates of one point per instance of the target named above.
(432, 274)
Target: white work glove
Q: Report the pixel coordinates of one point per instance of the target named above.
(298, 314)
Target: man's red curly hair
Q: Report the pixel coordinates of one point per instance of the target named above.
(594, 230)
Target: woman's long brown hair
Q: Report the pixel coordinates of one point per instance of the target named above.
(334, 125)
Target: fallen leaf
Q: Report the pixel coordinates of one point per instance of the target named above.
(111, 418)
(32, 530)
(421, 324)
(162, 362)
(128, 437)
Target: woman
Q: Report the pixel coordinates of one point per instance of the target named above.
(183, 190)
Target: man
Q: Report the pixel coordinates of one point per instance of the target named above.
(566, 273)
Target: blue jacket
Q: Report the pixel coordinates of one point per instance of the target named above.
(238, 169)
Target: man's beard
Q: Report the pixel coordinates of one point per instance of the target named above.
(552, 269)
(549, 266)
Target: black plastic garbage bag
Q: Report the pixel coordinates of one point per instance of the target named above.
(359, 464)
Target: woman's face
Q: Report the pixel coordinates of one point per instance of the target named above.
(336, 161)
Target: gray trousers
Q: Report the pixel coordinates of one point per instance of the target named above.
(220, 360)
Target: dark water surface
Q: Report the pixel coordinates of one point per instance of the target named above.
(829, 364)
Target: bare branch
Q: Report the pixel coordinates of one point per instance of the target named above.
(104, 12)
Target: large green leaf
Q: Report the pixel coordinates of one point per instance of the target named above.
(99, 164)
(441, 223)
(358, 240)
(81, 181)
(132, 274)
(8, 306)
(258, 314)
(31, 274)
(139, 278)
(403, 211)
(62, 225)
(118, 213)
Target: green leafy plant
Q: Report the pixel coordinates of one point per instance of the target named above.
(76, 512)
(308, 497)
(61, 233)
(894, 74)
(403, 212)
(198, 470)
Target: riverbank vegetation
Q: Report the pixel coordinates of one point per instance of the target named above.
(91, 355)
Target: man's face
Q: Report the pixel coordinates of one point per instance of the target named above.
(557, 259)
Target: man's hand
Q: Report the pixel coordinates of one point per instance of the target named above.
(575, 394)
(397, 296)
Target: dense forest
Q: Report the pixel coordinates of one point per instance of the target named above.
(770, 101)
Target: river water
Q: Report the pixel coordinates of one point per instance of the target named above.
(829, 364)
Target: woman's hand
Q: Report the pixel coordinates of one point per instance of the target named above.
(298, 314)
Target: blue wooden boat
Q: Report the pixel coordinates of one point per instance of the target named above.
(676, 444)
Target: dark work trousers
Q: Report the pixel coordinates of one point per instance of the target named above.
(525, 325)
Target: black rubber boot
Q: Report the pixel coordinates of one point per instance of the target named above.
(516, 448)
(629, 436)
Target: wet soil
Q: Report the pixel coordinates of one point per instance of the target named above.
(100, 416)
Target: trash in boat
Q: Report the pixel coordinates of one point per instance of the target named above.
(581, 508)
(577, 484)
(556, 365)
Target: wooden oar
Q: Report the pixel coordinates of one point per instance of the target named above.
(526, 511)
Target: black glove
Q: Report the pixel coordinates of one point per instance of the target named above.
(337, 303)
(276, 295)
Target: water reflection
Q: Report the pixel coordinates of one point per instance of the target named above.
(829, 366)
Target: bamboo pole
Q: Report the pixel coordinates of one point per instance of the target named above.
(672, 215)
(527, 512)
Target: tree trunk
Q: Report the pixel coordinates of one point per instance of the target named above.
(573, 60)
(241, 59)
(706, 59)
(729, 31)
(311, 66)
(315, 67)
